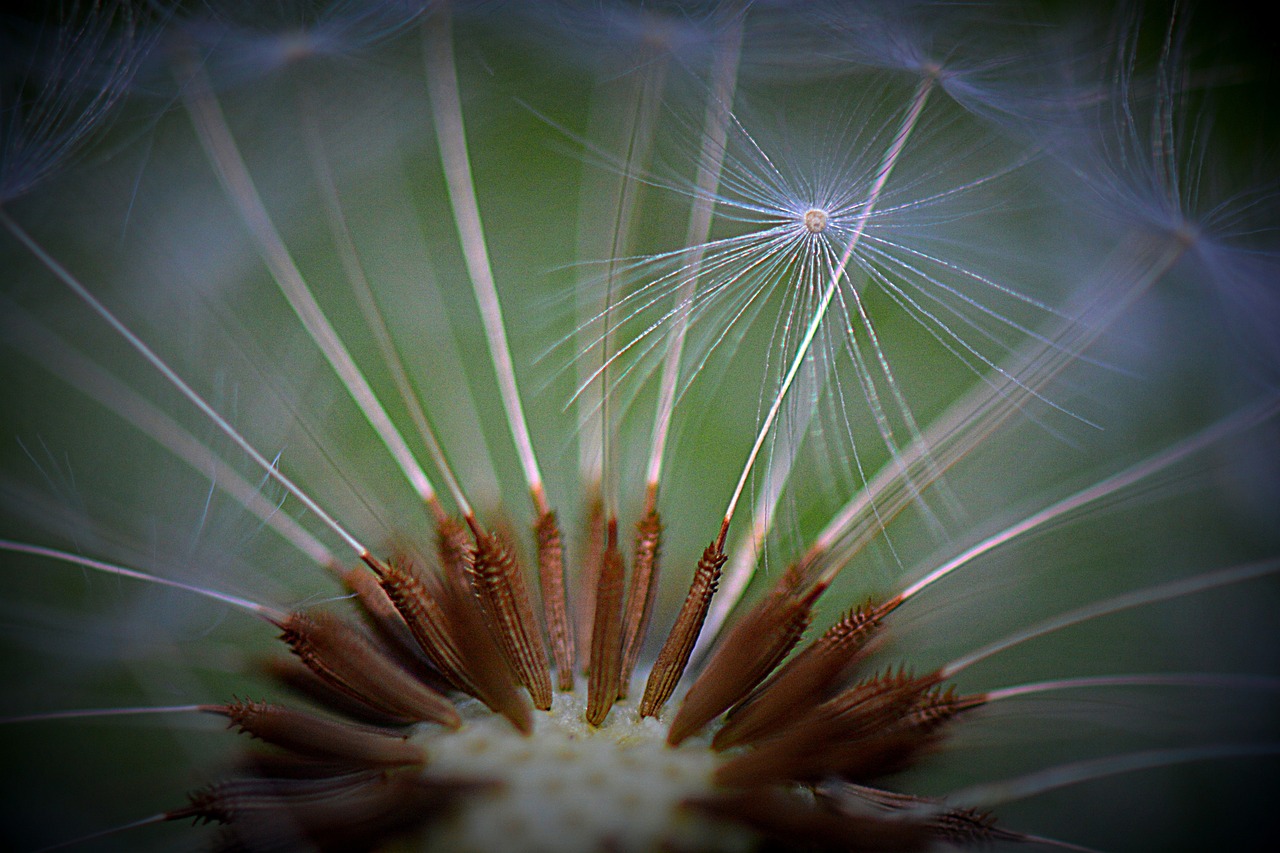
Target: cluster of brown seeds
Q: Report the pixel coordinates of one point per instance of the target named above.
(797, 744)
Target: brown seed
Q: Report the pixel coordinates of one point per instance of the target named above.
(293, 674)
(233, 799)
(747, 654)
(640, 596)
(554, 603)
(420, 610)
(483, 665)
(589, 578)
(940, 706)
(878, 755)
(804, 682)
(373, 599)
(504, 596)
(348, 662)
(970, 828)
(899, 738)
(959, 827)
(955, 826)
(311, 735)
(880, 700)
(674, 656)
(795, 821)
(453, 547)
(606, 638)
(390, 627)
(334, 813)
(856, 734)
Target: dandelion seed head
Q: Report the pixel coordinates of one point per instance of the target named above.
(815, 219)
(1188, 234)
(234, 353)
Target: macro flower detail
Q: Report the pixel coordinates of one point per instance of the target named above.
(614, 426)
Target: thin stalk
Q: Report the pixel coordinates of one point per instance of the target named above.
(451, 135)
(215, 137)
(1206, 680)
(104, 833)
(64, 361)
(1237, 423)
(369, 307)
(710, 162)
(641, 130)
(645, 563)
(887, 164)
(1116, 604)
(1131, 268)
(611, 202)
(994, 793)
(268, 613)
(750, 544)
(102, 713)
(1135, 265)
(178, 383)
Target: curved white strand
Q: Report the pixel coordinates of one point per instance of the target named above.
(269, 613)
(100, 713)
(710, 164)
(60, 358)
(1236, 423)
(1126, 601)
(174, 379)
(451, 135)
(1207, 680)
(374, 320)
(1130, 270)
(994, 793)
(223, 154)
